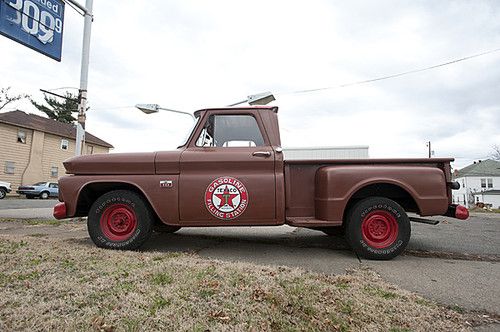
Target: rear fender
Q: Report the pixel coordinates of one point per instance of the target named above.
(336, 185)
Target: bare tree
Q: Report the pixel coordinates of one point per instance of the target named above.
(496, 152)
(6, 98)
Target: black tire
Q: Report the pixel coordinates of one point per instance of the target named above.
(3, 193)
(378, 228)
(44, 195)
(160, 227)
(120, 219)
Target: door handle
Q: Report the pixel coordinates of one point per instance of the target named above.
(261, 154)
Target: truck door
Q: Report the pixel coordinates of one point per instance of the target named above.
(227, 173)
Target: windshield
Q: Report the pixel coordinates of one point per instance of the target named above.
(189, 131)
(39, 184)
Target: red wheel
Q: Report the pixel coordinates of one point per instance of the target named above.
(379, 229)
(120, 219)
(118, 222)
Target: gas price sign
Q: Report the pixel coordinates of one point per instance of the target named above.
(37, 24)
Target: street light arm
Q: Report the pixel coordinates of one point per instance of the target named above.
(258, 99)
(238, 103)
(176, 111)
(154, 108)
(81, 7)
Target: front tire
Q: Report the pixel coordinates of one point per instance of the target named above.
(44, 195)
(3, 193)
(120, 219)
(378, 228)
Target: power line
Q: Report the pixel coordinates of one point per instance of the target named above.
(395, 75)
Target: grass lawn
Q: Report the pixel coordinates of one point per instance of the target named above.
(48, 284)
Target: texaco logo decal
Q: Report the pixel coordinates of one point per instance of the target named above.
(226, 198)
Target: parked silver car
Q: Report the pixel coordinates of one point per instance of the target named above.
(43, 190)
(4, 189)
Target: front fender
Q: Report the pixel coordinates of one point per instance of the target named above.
(163, 200)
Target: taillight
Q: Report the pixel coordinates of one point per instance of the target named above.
(60, 211)
(461, 212)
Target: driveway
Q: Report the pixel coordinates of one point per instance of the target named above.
(27, 208)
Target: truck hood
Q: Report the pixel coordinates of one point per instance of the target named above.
(120, 163)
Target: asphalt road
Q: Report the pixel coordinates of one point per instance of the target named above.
(22, 203)
(456, 262)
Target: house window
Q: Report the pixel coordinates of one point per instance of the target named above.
(490, 183)
(90, 149)
(54, 172)
(21, 136)
(483, 183)
(64, 144)
(10, 167)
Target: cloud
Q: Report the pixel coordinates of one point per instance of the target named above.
(194, 54)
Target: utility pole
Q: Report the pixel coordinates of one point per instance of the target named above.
(429, 146)
(84, 74)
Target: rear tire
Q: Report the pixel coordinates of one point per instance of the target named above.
(120, 219)
(3, 193)
(378, 228)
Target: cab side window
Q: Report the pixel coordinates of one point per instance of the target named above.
(230, 131)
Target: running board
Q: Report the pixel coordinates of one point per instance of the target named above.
(424, 221)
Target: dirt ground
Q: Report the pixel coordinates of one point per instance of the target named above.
(53, 278)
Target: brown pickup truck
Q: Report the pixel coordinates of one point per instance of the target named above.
(231, 172)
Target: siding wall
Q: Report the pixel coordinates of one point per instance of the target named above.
(53, 155)
(30, 166)
(470, 185)
(11, 150)
(494, 200)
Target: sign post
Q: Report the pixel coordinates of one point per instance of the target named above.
(84, 74)
(37, 24)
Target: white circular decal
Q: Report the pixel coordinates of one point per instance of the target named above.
(226, 198)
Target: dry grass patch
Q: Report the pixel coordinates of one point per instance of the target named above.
(59, 285)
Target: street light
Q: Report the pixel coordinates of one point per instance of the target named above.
(263, 98)
(155, 108)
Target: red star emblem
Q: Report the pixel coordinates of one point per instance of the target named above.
(226, 198)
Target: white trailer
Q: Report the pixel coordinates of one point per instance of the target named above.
(326, 152)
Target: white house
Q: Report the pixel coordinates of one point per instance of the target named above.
(489, 197)
(482, 175)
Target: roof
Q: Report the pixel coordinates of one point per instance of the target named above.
(244, 108)
(486, 167)
(488, 192)
(36, 122)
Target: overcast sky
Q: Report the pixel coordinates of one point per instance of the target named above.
(189, 55)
